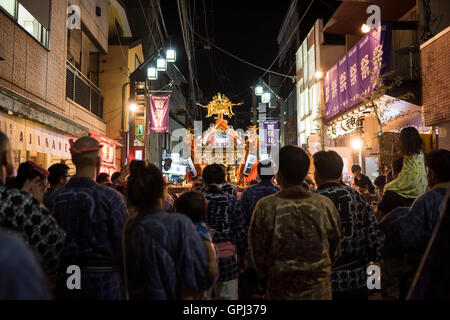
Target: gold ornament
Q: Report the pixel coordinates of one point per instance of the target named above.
(221, 106)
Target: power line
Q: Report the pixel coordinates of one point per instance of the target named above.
(148, 25)
(289, 39)
(157, 23)
(240, 59)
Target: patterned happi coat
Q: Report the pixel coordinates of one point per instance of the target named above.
(361, 238)
(226, 221)
(294, 239)
(163, 252)
(92, 216)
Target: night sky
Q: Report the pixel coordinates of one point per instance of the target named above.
(246, 28)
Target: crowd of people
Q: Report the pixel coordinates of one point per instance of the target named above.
(287, 236)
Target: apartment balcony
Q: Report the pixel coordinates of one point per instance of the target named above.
(83, 92)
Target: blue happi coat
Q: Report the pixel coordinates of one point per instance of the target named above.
(163, 253)
(92, 216)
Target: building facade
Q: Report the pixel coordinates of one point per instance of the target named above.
(47, 92)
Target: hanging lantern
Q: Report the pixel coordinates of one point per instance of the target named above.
(161, 64)
(265, 98)
(152, 73)
(259, 90)
(171, 55)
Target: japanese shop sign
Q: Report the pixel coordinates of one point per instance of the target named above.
(350, 78)
(25, 135)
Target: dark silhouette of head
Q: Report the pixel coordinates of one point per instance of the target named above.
(146, 187)
(328, 166)
(410, 141)
(59, 174)
(294, 166)
(214, 174)
(193, 204)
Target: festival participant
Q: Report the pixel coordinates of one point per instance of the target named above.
(392, 199)
(115, 177)
(25, 174)
(21, 212)
(248, 281)
(380, 182)
(295, 234)
(163, 256)
(361, 180)
(411, 229)
(194, 205)
(410, 183)
(59, 176)
(227, 222)
(103, 179)
(432, 280)
(93, 216)
(21, 276)
(360, 236)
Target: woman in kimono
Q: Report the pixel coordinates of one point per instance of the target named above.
(163, 255)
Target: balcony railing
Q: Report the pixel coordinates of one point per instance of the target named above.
(82, 91)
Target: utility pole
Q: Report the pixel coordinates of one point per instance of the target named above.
(254, 107)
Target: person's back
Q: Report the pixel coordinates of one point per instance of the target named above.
(412, 229)
(248, 281)
(360, 236)
(21, 276)
(163, 243)
(21, 212)
(254, 193)
(164, 257)
(92, 216)
(227, 223)
(294, 235)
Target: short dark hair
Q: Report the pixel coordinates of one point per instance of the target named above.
(193, 204)
(102, 177)
(145, 185)
(266, 167)
(294, 164)
(439, 162)
(25, 172)
(115, 176)
(328, 165)
(410, 141)
(356, 167)
(214, 173)
(380, 181)
(57, 171)
(397, 164)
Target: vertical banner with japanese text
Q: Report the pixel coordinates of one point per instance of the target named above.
(270, 126)
(350, 79)
(159, 112)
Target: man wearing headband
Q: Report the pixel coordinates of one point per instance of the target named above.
(93, 217)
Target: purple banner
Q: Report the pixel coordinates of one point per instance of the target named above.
(270, 127)
(159, 112)
(350, 79)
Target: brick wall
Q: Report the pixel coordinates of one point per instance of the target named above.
(436, 78)
(38, 74)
